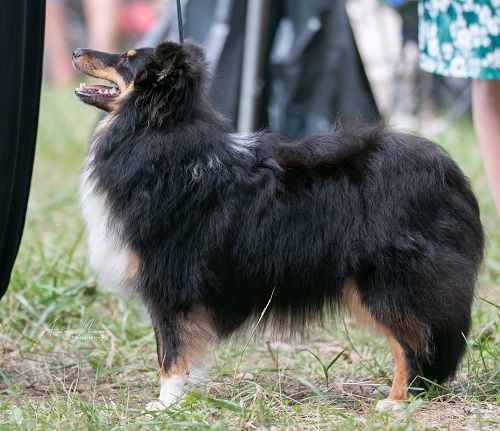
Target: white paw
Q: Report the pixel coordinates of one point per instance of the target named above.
(155, 406)
(389, 406)
(170, 393)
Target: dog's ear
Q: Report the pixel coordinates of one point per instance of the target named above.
(168, 84)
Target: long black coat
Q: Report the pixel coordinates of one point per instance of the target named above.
(21, 45)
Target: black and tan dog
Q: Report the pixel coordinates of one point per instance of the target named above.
(208, 226)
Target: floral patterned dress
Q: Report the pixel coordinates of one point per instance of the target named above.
(460, 38)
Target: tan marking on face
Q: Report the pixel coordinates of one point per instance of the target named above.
(95, 68)
(197, 330)
(131, 53)
(123, 94)
(352, 299)
(126, 91)
(112, 75)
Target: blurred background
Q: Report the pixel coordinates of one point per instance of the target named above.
(104, 25)
(312, 62)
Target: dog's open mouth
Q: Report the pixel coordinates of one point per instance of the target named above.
(98, 95)
(93, 90)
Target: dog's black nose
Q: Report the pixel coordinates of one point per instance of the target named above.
(78, 52)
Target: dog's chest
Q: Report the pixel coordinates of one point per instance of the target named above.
(115, 263)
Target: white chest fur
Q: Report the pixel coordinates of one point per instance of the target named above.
(115, 263)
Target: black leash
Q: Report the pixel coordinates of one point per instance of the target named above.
(179, 20)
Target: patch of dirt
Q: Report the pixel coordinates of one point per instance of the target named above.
(458, 416)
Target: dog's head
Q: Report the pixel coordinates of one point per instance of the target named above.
(165, 82)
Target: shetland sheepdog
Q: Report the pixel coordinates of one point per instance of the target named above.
(210, 227)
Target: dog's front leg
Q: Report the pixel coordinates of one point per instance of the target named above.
(181, 342)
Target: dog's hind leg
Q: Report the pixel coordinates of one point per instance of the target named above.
(402, 377)
(181, 343)
(403, 364)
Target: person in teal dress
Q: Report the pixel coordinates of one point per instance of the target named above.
(461, 39)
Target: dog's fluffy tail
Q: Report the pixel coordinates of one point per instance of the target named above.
(443, 358)
(441, 343)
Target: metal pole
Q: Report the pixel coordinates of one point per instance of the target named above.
(217, 36)
(250, 87)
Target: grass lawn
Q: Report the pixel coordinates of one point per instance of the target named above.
(73, 357)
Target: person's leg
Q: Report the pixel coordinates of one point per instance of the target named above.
(486, 114)
(102, 21)
(58, 49)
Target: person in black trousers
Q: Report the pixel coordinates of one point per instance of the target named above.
(21, 47)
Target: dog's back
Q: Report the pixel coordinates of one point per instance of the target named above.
(388, 210)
